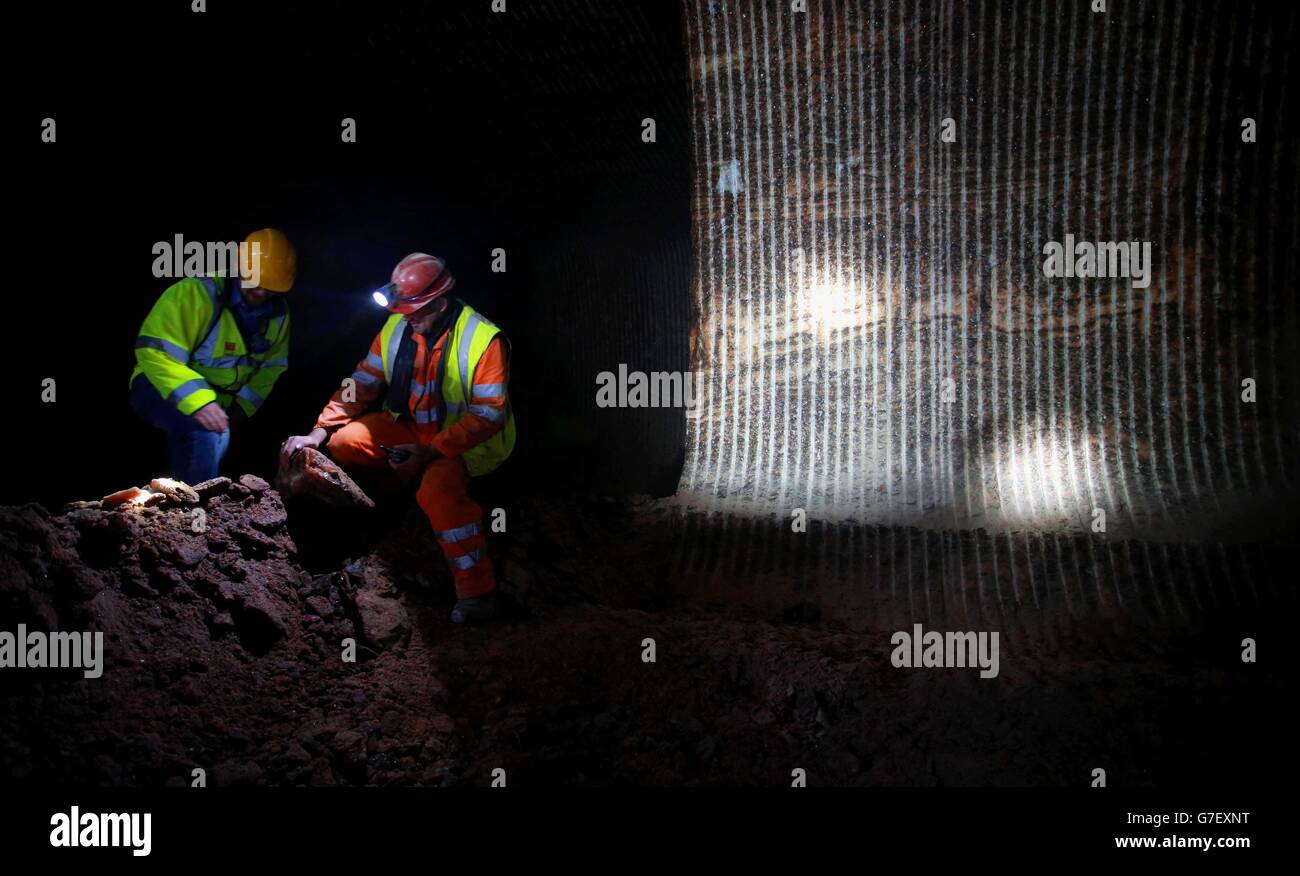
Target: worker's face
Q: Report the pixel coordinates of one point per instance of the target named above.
(255, 295)
(424, 318)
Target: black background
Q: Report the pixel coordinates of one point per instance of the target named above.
(475, 130)
(518, 825)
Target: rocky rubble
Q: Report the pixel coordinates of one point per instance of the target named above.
(209, 620)
(224, 645)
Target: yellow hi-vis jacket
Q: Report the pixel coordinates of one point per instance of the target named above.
(191, 350)
(466, 341)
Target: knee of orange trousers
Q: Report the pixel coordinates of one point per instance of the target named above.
(357, 443)
(444, 496)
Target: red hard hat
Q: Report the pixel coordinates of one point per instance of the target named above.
(417, 280)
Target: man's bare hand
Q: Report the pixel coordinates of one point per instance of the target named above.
(420, 455)
(212, 418)
(314, 438)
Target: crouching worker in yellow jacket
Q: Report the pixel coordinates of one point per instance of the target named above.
(209, 353)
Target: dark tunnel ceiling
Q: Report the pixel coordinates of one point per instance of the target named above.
(542, 79)
(525, 87)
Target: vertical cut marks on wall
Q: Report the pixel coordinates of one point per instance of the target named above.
(876, 335)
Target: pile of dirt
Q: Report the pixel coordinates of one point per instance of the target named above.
(225, 651)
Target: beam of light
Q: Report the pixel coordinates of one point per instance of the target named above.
(1031, 468)
(834, 306)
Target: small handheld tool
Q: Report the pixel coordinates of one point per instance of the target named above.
(394, 455)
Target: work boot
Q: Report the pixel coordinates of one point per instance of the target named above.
(475, 609)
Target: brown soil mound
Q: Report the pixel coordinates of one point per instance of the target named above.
(224, 653)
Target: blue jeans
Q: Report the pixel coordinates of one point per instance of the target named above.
(193, 453)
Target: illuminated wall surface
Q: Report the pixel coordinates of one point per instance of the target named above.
(877, 339)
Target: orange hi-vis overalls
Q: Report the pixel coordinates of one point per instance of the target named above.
(457, 519)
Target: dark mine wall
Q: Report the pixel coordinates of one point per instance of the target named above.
(880, 346)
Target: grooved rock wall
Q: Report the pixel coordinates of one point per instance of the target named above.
(877, 337)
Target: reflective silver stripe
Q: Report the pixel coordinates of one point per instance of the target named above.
(418, 389)
(375, 362)
(492, 415)
(394, 343)
(455, 408)
(489, 390)
(462, 352)
(275, 363)
(466, 561)
(187, 389)
(175, 351)
(460, 533)
(203, 355)
(425, 417)
(365, 377)
(249, 396)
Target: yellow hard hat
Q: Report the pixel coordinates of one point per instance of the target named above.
(277, 261)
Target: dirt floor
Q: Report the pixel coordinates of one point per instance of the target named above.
(224, 652)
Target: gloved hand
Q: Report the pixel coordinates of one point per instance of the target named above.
(314, 438)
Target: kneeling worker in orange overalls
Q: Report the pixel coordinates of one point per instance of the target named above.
(438, 372)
